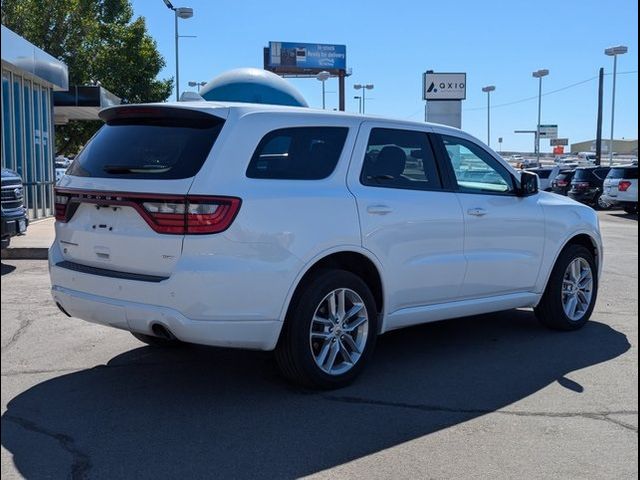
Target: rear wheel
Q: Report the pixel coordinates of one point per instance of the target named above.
(330, 331)
(157, 341)
(602, 204)
(571, 292)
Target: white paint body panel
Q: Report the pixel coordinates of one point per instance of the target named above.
(234, 288)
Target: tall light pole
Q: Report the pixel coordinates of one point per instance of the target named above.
(539, 74)
(364, 88)
(488, 89)
(323, 77)
(184, 13)
(614, 52)
(359, 102)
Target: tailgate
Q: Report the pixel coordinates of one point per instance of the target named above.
(123, 204)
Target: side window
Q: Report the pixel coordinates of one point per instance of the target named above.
(476, 171)
(400, 159)
(300, 153)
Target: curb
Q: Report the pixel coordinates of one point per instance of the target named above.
(24, 253)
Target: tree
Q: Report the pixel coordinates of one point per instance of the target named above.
(100, 42)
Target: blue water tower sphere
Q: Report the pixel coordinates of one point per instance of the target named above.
(252, 85)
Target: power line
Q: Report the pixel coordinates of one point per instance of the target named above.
(528, 99)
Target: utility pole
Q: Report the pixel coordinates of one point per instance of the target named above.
(599, 121)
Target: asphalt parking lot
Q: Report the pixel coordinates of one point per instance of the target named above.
(495, 396)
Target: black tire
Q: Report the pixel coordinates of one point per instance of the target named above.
(631, 209)
(550, 311)
(154, 341)
(293, 352)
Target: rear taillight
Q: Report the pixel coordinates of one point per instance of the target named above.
(562, 183)
(624, 185)
(169, 214)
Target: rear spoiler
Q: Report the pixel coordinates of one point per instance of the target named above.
(162, 112)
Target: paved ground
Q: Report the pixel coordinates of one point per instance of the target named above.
(495, 396)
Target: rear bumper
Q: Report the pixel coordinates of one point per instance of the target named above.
(139, 317)
(210, 307)
(586, 196)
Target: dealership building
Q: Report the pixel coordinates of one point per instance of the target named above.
(36, 96)
(620, 147)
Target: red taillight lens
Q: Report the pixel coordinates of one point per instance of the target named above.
(170, 214)
(624, 185)
(61, 203)
(211, 215)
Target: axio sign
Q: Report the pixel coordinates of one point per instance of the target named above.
(444, 86)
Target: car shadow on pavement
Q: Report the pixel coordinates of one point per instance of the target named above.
(7, 268)
(201, 412)
(629, 216)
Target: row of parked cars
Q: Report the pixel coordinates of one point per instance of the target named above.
(599, 186)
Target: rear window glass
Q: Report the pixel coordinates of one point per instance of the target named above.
(299, 153)
(628, 172)
(157, 147)
(583, 174)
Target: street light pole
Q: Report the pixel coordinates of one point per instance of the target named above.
(614, 52)
(539, 74)
(323, 77)
(359, 103)
(184, 13)
(364, 88)
(488, 89)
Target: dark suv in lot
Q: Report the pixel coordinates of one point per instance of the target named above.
(14, 215)
(587, 186)
(562, 183)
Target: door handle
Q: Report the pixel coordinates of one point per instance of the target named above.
(477, 212)
(379, 209)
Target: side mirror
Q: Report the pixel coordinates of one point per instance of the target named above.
(528, 184)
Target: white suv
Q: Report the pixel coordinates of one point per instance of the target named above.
(307, 232)
(621, 187)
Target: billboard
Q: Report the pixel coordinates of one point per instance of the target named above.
(444, 86)
(289, 57)
(548, 131)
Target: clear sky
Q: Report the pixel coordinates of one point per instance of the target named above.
(390, 44)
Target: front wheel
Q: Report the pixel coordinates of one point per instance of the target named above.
(330, 331)
(571, 292)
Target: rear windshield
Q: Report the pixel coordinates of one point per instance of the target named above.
(627, 172)
(583, 174)
(158, 146)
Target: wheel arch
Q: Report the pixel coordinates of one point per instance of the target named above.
(355, 260)
(585, 239)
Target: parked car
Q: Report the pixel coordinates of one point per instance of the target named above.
(587, 185)
(60, 168)
(306, 232)
(621, 187)
(562, 182)
(14, 215)
(545, 176)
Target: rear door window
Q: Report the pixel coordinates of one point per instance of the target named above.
(298, 153)
(148, 143)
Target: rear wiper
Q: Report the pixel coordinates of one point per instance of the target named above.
(136, 168)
